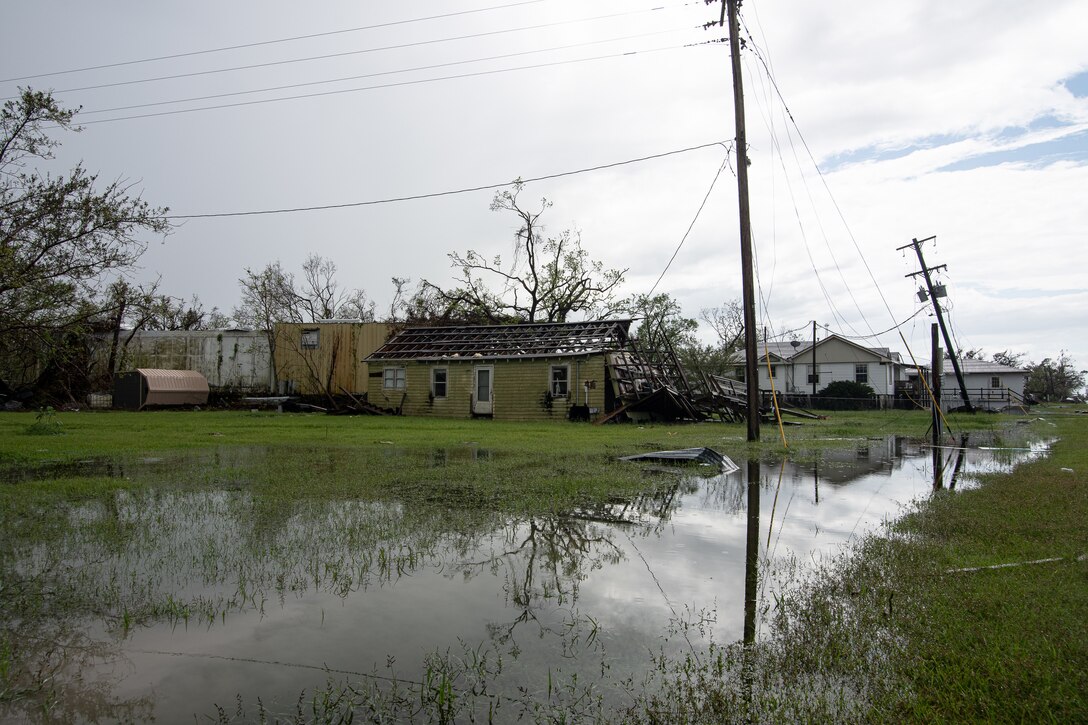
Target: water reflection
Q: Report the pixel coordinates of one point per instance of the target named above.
(751, 554)
(187, 596)
(541, 562)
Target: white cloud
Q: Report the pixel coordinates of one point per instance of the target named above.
(935, 82)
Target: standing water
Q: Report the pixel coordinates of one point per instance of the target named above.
(179, 602)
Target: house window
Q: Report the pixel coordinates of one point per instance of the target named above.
(393, 379)
(438, 382)
(813, 378)
(861, 373)
(560, 381)
(310, 339)
(995, 382)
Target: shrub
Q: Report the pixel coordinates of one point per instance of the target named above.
(845, 395)
(45, 423)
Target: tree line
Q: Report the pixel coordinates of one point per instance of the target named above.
(69, 244)
(1052, 379)
(68, 247)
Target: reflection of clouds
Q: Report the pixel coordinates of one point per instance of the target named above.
(59, 673)
(806, 511)
(348, 583)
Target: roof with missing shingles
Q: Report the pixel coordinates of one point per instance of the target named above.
(494, 342)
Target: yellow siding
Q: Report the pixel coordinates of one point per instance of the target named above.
(519, 387)
(336, 362)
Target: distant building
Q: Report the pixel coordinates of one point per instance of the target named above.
(990, 385)
(796, 371)
(327, 356)
(228, 359)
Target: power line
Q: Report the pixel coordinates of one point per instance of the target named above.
(840, 318)
(875, 335)
(691, 226)
(342, 79)
(420, 81)
(823, 179)
(399, 46)
(267, 42)
(451, 192)
(776, 144)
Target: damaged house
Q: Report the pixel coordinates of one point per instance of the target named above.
(589, 370)
(534, 371)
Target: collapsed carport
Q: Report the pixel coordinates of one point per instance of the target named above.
(145, 387)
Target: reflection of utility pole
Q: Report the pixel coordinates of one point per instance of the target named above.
(961, 453)
(751, 553)
(917, 245)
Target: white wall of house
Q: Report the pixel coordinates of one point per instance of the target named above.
(836, 360)
(783, 376)
(873, 373)
(227, 358)
(993, 389)
(793, 377)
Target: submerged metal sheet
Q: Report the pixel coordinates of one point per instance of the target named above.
(707, 456)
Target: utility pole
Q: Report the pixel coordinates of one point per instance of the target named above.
(917, 245)
(936, 373)
(814, 373)
(751, 352)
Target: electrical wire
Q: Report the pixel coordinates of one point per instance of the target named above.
(801, 227)
(342, 79)
(766, 65)
(398, 84)
(786, 333)
(776, 144)
(256, 44)
(343, 54)
(451, 192)
(694, 219)
(893, 328)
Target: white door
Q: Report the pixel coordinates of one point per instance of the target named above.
(482, 391)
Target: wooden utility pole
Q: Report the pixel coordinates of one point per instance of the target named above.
(814, 373)
(751, 352)
(936, 373)
(917, 245)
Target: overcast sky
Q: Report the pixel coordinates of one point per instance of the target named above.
(966, 120)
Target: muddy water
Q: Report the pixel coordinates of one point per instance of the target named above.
(344, 591)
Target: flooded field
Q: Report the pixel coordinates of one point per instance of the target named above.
(199, 590)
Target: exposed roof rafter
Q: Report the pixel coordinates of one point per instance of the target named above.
(547, 339)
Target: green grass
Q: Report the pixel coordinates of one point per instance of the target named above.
(111, 433)
(890, 633)
(885, 633)
(1008, 644)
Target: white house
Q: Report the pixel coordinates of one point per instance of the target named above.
(990, 385)
(801, 368)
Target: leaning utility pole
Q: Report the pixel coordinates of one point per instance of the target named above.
(751, 353)
(936, 373)
(917, 245)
